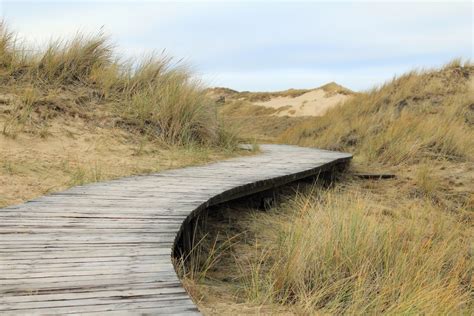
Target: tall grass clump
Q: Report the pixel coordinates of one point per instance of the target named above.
(169, 104)
(12, 55)
(155, 96)
(337, 252)
(422, 114)
(73, 62)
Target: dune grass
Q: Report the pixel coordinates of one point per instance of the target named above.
(422, 114)
(399, 246)
(156, 96)
(73, 112)
(336, 251)
(359, 247)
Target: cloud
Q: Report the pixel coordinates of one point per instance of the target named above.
(281, 79)
(358, 43)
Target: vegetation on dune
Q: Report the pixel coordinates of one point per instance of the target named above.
(255, 122)
(333, 88)
(266, 123)
(427, 114)
(330, 88)
(360, 247)
(155, 96)
(357, 248)
(397, 246)
(338, 252)
(72, 112)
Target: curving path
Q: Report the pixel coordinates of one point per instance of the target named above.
(106, 247)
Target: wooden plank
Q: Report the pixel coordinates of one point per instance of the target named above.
(98, 251)
(33, 271)
(174, 307)
(97, 278)
(88, 295)
(105, 248)
(85, 283)
(97, 288)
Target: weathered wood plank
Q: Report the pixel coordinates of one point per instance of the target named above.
(105, 248)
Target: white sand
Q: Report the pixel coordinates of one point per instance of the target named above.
(313, 103)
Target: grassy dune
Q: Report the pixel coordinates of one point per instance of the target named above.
(330, 88)
(153, 96)
(73, 112)
(256, 123)
(421, 115)
(397, 246)
(281, 110)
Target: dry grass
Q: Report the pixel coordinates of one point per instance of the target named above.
(155, 96)
(400, 246)
(361, 247)
(426, 114)
(256, 123)
(73, 112)
(285, 111)
(334, 88)
(337, 251)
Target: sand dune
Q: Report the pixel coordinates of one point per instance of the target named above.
(312, 103)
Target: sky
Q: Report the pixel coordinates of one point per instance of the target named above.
(266, 45)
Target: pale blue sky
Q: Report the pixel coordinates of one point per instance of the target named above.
(267, 45)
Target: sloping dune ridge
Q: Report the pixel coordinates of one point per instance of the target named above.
(313, 103)
(286, 103)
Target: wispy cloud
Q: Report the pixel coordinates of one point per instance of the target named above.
(268, 45)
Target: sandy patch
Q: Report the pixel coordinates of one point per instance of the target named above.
(75, 153)
(313, 103)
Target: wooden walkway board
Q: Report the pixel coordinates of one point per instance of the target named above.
(105, 248)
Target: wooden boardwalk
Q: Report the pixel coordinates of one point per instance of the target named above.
(106, 247)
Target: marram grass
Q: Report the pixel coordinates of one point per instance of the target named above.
(154, 96)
